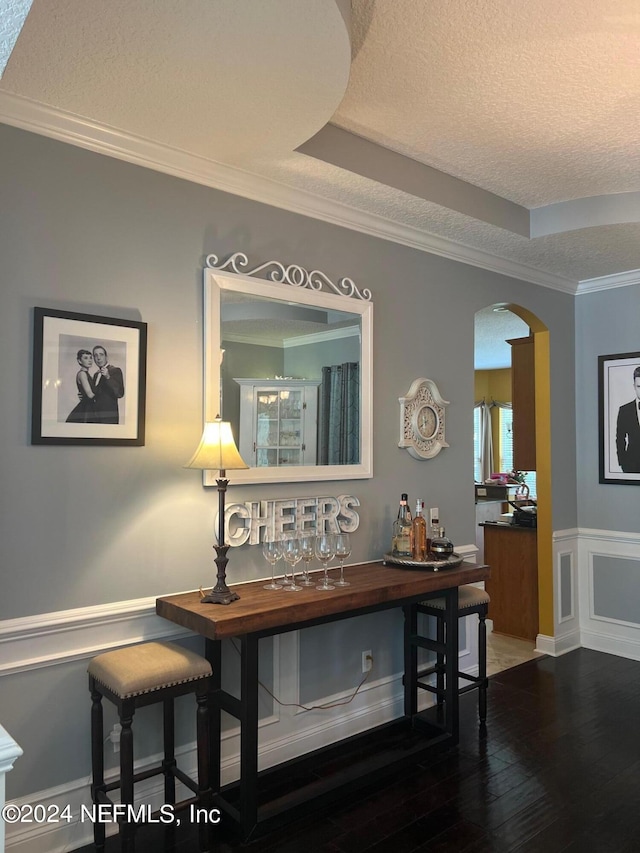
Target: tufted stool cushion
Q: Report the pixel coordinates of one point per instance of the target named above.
(140, 669)
(468, 596)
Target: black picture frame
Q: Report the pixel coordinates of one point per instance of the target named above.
(70, 408)
(619, 434)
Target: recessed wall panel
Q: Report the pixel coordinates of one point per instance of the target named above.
(616, 588)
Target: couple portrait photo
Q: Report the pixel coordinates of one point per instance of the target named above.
(89, 379)
(100, 385)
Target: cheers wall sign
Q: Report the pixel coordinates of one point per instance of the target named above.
(243, 522)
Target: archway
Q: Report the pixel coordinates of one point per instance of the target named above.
(546, 624)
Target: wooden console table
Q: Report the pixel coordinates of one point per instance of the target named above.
(263, 613)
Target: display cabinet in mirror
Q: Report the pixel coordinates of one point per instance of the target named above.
(288, 362)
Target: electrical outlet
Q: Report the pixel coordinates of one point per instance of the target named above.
(114, 737)
(367, 661)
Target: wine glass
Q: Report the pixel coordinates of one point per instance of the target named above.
(342, 551)
(291, 553)
(325, 547)
(307, 550)
(272, 551)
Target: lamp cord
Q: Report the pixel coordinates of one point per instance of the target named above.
(323, 707)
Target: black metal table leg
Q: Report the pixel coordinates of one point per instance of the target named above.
(214, 656)
(410, 661)
(248, 734)
(451, 663)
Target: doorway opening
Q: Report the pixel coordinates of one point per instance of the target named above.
(511, 460)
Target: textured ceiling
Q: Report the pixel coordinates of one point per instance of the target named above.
(440, 123)
(492, 331)
(535, 101)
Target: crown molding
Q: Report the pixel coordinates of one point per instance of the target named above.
(607, 282)
(75, 130)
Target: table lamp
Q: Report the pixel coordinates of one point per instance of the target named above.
(217, 452)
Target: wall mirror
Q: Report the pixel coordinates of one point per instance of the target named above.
(290, 366)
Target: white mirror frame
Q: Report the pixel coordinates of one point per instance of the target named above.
(216, 281)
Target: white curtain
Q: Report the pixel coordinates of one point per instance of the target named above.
(485, 439)
(486, 444)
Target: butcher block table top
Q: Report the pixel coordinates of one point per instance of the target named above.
(373, 586)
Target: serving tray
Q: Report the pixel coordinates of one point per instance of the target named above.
(449, 562)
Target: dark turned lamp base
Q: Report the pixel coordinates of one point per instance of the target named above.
(221, 594)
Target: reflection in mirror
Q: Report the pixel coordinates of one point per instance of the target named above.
(290, 368)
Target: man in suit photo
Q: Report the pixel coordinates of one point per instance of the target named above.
(109, 388)
(628, 431)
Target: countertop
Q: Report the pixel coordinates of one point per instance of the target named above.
(504, 525)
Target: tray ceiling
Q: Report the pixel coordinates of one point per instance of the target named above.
(497, 132)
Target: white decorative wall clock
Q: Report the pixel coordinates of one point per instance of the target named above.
(422, 422)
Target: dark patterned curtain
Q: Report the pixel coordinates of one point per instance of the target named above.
(339, 415)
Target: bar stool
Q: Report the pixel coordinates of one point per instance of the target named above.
(131, 678)
(470, 600)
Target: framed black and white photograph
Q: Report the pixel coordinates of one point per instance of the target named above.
(89, 379)
(619, 433)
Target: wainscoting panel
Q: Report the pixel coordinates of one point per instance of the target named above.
(565, 598)
(609, 583)
(47, 639)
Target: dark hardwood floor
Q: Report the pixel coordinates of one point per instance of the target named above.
(557, 770)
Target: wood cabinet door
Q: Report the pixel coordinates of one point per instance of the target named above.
(523, 400)
(512, 556)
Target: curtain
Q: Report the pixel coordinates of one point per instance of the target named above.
(339, 415)
(486, 441)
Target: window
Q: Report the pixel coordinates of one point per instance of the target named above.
(506, 449)
(506, 439)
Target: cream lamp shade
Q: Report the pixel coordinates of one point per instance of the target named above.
(217, 450)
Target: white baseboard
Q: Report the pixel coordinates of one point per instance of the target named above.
(625, 647)
(556, 646)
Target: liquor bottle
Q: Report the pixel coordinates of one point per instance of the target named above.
(419, 533)
(402, 541)
(434, 527)
(442, 546)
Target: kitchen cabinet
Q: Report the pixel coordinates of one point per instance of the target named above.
(512, 554)
(523, 400)
(278, 422)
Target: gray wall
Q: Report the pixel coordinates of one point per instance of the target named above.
(82, 526)
(609, 323)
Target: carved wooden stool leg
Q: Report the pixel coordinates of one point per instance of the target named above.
(97, 763)
(482, 667)
(169, 761)
(127, 827)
